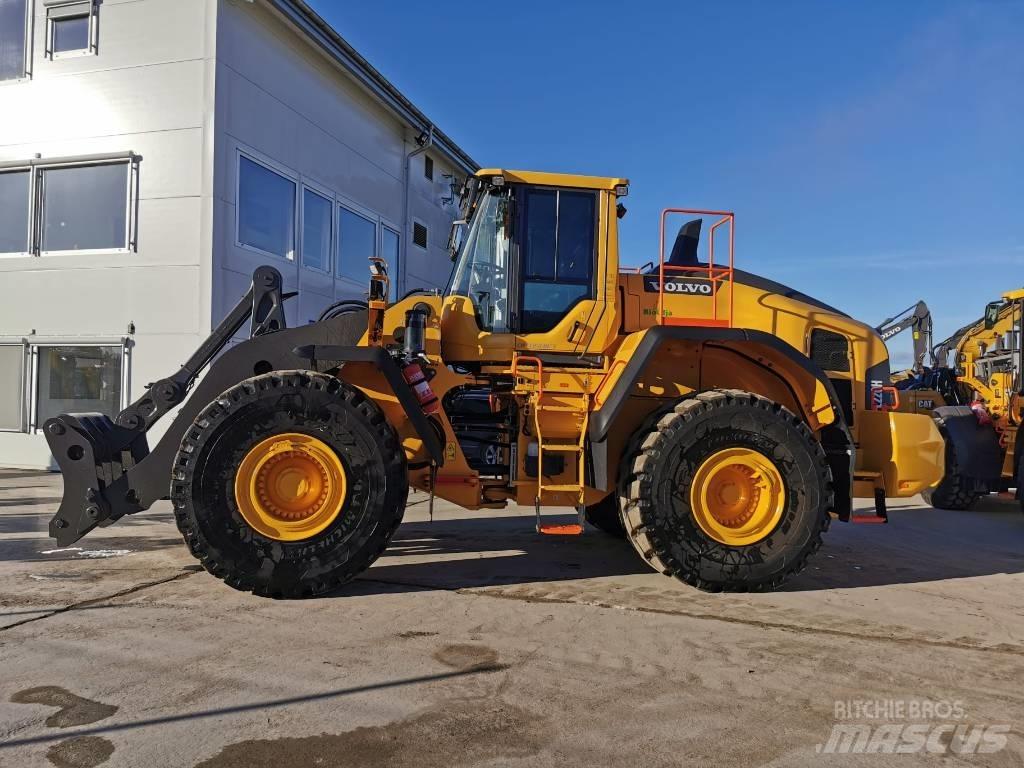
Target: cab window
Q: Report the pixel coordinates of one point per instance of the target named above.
(558, 228)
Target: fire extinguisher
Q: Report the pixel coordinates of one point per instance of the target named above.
(413, 374)
(415, 329)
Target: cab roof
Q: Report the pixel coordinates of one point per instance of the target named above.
(542, 179)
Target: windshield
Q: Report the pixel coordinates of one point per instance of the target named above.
(482, 263)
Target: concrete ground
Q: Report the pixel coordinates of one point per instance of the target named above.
(475, 642)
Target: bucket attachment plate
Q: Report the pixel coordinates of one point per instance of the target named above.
(93, 454)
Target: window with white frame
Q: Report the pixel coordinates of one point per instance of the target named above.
(266, 209)
(71, 27)
(67, 207)
(12, 387)
(40, 381)
(15, 206)
(357, 242)
(284, 213)
(317, 225)
(78, 379)
(84, 208)
(14, 26)
(389, 251)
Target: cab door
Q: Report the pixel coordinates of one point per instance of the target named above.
(564, 283)
(547, 286)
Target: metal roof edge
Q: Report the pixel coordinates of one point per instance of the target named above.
(324, 35)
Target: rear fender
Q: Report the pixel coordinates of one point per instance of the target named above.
(736, 358)
(979, 456)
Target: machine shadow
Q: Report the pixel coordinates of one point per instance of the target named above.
(494, 551)
(919, 545)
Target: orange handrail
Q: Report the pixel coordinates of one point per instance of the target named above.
(540, 370)
(605, 380)
(715, 274)
(879, 404)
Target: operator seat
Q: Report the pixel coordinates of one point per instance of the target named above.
(684, 250)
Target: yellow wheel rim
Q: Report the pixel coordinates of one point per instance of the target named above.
(737, 496)
(290, 487)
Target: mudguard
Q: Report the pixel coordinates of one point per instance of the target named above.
(837, 439)
(979, 456)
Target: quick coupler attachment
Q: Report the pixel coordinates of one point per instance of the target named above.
(94, 454)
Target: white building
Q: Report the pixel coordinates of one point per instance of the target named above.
(154, 152)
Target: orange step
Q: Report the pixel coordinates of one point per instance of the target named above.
(571, 529)
(869, 519)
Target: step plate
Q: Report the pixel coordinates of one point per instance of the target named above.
(572, 529)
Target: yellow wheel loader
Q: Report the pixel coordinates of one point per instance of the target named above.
(717, 419)
(977, 404)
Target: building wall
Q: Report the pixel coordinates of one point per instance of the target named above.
(328, 134)
(188, 86)
(148, 90)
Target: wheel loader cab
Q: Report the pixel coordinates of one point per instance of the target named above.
(535, 270)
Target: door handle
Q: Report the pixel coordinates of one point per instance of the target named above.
(575, 329)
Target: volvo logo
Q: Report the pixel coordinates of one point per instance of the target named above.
(680, 286)
(890, 332)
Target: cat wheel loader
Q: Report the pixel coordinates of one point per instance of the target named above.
(977, 404)
(716, 419)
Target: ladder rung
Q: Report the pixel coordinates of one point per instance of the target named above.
(573, 488)
(564, 448)
(561, 408)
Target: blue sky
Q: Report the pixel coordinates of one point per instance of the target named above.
(873, 151)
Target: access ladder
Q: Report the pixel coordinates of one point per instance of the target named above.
(540, 403)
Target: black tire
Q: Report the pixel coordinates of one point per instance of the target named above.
(953, 492)
(658, 517)
(605, 516)
(1019, 451)
(289, 401)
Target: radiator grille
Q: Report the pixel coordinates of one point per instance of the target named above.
(830, 350)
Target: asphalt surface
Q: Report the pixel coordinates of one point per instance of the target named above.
(474, 641)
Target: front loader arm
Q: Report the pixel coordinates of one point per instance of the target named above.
(107, 465)
(109, 470)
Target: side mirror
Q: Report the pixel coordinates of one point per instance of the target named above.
(455, 237)
(992, 314)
